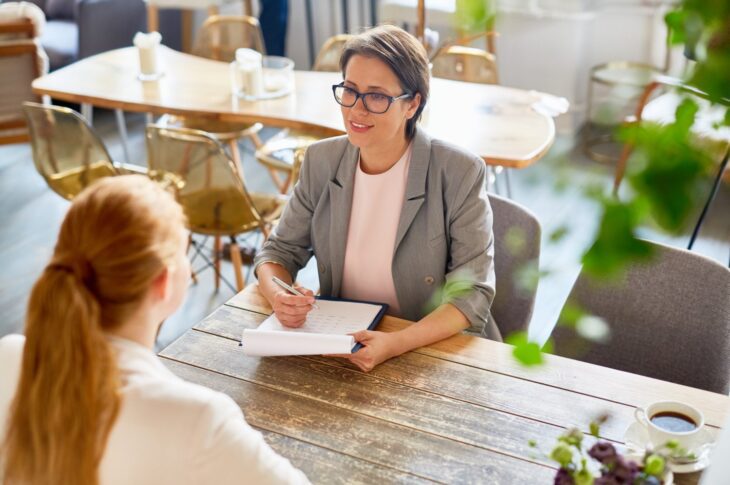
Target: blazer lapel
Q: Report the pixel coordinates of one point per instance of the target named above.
(341, 189)
(415, 185)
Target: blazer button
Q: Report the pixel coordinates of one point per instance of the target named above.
(322, 268)
(428, 280)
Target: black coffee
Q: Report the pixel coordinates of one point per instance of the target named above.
(674, 422)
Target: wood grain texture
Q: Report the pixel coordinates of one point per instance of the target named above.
(405, 449)
(494, 122)
(492, 390)
(568, 374)
(367, 394)
(328, 466)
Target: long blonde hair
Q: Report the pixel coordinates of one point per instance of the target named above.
(118, 236)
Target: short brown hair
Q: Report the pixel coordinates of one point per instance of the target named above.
(405, 56)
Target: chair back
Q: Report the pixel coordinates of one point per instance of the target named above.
(328, 58)
(20, 65)
(516, 251)
(669, 319)
(18, 29)
(66, 150)
(220, 36)
(204, 179)
(461, 63)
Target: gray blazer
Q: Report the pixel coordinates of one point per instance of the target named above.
(444, 232)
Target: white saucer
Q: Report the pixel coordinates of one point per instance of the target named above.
(636, 439)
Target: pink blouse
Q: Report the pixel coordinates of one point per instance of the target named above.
(376, 205)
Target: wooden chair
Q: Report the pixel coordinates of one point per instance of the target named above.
(669, 319)
(210, 189)
(21, 61)
(67, 152)
(278, 154)
(461, 63)
(328, 58)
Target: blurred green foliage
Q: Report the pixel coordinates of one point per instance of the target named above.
(668, 172)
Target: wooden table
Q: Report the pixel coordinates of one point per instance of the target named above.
(461, 410)
(495, 122)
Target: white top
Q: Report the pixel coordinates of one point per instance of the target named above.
(377, 201)
(168, 430)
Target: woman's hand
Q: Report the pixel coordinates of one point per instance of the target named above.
(377, 348)
(291, 310)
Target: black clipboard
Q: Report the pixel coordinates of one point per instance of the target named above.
(373, 324)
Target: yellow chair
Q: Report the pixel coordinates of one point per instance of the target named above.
(66, 150)
(328, 58)
(218, 39)
(278, 154)
(207, 185)
(461, 63)
(220, 36)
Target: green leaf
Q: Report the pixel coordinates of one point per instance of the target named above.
(654, 465)
(616, 244)
(595, 429)
(475, 15)
(559, 234)
(562, 454)
(525, 352)
(570, 314)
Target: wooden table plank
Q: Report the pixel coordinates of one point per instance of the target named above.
(382, 399)
(390, 445)
(495, 122)
(519, 397)
(329, 467)
(559, 372)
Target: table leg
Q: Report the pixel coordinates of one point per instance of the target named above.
(122, 125)
(153, 18)
(87, 111)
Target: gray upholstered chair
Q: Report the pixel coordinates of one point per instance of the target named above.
(516, 249)
(669, 319)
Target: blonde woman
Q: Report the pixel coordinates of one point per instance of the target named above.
(83, 399)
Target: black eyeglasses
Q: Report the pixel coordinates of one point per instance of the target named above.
(376, 103)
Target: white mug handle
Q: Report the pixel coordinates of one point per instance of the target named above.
(640, 416)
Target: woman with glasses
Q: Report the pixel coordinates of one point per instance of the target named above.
(390, 214)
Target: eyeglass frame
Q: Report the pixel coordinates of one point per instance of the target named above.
(359, 95)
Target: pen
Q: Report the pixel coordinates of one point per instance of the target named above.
(290, 289)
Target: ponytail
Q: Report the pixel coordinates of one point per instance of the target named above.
(68, 392)
(118, 236)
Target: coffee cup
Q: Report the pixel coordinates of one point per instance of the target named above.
(672, 421)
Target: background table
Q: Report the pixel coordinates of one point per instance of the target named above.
(494, 122)
(461, 410)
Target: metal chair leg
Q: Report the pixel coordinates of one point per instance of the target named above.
(122, 125)
(713, 193)
(508, 182)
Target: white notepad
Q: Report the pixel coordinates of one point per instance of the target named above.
(326, 330)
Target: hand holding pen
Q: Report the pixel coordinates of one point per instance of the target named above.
(292, 305)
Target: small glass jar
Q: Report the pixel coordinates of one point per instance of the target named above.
(246, 74)
(278, 75)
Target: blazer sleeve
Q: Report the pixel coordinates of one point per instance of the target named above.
(290, 243)
(229, 451)
(471, 251)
